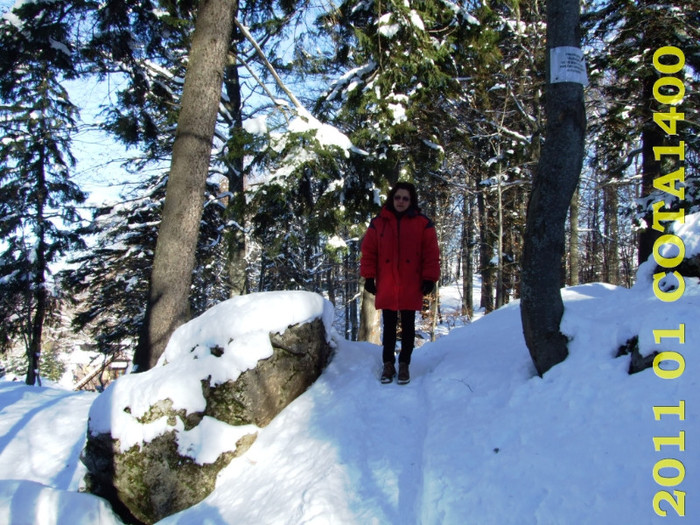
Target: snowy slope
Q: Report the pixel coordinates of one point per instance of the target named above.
(475, 438)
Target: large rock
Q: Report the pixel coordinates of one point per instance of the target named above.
(690, 267)
(259, 394)
(687, 232)
(157, 440)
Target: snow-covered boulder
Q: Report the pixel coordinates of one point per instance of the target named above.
(683, 234)
(671, 278)
(157, 440)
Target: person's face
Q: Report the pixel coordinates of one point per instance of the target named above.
(402, 200)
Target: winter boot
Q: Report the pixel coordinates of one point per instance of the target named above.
(388, 373)
(404, 376)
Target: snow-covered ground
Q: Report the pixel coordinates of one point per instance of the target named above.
(475, 438)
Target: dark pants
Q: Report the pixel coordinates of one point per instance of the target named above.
(408, 335)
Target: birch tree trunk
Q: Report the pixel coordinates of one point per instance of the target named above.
(171, 278)
(553, 187)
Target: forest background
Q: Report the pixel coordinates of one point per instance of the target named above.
(324, 107)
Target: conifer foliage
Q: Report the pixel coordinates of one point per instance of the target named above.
(38, 213)
(402, 65)
(623, 37)
(145, 44)
(108, 282)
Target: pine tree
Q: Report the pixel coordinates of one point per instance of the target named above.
(38, 214)
(623, 37)
(505, 122)
(109, 281)
(394, 99)
(144, 45)
(247, 76)
(150, 47)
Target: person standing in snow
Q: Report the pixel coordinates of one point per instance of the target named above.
(400, 263)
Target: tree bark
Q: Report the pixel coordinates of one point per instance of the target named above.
(174, 260)
(553, 187)
(237, 242)
(467, 259)
(370, 320)
(485, 253)
(611, 265)
(652, 136)
(574, 260)
(39, 292)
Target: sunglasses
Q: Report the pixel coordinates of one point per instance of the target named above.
(402, 198)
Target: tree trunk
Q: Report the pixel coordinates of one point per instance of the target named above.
(611, 264)
(500, 288)
(353, 324)
(574, 260)
(652, 136)
(434, 309)
(595, 245)
(467, 260)
(39, 292)
(553, 187)
(370, 320)
(237, 242)
(174, 260)
(485, 254)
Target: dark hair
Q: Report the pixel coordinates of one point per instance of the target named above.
(403, 186)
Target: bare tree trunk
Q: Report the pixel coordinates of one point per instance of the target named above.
(237, 263)
(574, 260)
(485, 254)
(39, 292)
(370, 319)
(652, 136)
(434, 310)
(553, 186)
(611, 249)
(500, 288)
(467, 260)
(353, 325)
(174, 260)
(595, 250)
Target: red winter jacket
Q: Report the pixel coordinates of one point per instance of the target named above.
(400, 254)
